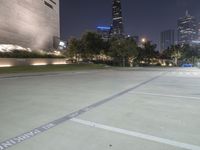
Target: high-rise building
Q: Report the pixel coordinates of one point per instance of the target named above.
(29, 23)
(187, 29)
(104, 32)
(198, 28)
(117, 20)
(166, 39)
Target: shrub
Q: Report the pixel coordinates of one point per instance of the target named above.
(27, 54)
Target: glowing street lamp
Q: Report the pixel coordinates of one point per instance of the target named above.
(143, 40)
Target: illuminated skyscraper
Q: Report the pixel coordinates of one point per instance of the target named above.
(117, 22)
(29, 23)
(187, 29)
(104, 32)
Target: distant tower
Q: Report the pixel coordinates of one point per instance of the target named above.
(187, 29)
(166, 39)
(117, 22)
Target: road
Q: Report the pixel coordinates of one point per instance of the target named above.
(112, 109)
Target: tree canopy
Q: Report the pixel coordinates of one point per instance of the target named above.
(123, 50)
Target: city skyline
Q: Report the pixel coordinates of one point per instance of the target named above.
(78, 16)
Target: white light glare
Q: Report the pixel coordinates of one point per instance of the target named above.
(10, 47)
(39, 64)
(1, 66)
(59, 63)
(62, 44)
(143, 40)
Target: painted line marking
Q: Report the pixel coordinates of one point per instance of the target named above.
(165, 95)
(45, 75)
(172, 84)
(137, 134)
(30, 134)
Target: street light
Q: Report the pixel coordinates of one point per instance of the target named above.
(143, 40)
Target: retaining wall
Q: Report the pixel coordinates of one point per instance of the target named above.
(8, 62)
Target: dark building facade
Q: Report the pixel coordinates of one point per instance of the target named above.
(187, 29)
(117, 20)
(167, 39)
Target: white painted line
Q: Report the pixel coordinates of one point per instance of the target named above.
(164, 95)
(137, 135)
(30, 76)
(172, 84)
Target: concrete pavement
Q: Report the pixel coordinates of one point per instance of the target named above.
(132, 109)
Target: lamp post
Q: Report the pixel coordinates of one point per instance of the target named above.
(143, 40)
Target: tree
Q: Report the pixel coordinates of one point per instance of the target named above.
(75, 48)
(166, 54)
(176, 53)
(149, 51)
(190, 53)
(123, 50)
(92, 43)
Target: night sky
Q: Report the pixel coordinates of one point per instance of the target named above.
(141, 17)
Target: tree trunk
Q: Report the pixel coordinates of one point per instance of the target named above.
(124, 62)
(176, 61)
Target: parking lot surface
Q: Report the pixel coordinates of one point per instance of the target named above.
(113, 109)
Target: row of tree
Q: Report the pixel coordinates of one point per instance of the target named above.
(182, 54)
(27, 54)
(120, 51)
(124, 51)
